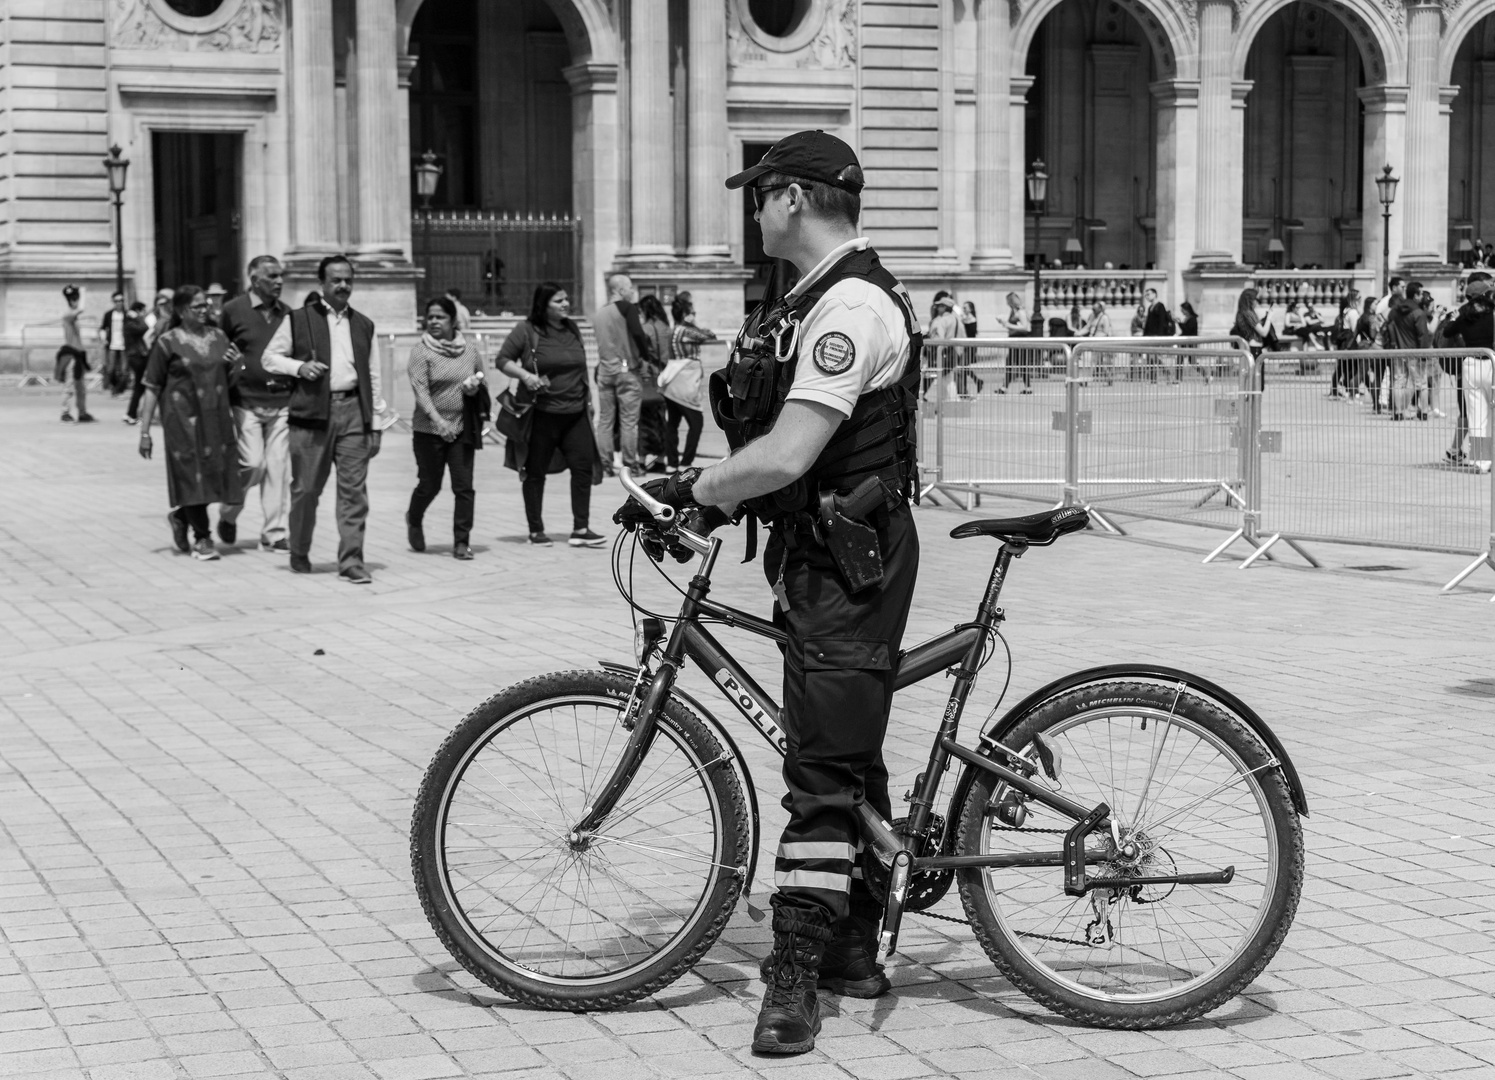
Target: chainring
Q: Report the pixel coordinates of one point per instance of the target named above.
(925, 889)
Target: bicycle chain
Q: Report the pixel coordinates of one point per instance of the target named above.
(1020, 933)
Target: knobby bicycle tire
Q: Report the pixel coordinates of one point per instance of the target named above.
(1277, 855)
(649, 952)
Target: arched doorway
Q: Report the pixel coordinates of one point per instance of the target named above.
(1092, 118)
(1304, 139)
(1471, 187)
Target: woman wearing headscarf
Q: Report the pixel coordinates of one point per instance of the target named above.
(445, 372)
(189, 374)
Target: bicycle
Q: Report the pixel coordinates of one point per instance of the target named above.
(582, 838)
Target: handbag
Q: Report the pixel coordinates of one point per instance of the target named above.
(511, 417)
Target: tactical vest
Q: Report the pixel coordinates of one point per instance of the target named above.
(880, 435)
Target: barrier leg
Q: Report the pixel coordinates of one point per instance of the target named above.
(1485, 559)
(1232, 538)
(1261, 551)
(1299, 549)
(1106, 523)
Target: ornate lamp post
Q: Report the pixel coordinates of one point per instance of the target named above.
(427, 174)
(1038, 192)
(116, 167)
(1386, 191)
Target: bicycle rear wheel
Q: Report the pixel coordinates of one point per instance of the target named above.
(562, 922)
(1192, 790)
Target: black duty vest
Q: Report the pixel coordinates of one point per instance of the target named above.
(880, 435)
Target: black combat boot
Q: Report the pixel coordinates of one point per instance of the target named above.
(850, 966)
(790, 1017)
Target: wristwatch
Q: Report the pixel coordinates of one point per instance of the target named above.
(683, 482)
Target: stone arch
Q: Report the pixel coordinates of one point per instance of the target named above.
(1375, 30)
(1166, 31)
(587, 23)
(1458, 24)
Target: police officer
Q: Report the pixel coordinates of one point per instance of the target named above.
(818, 402)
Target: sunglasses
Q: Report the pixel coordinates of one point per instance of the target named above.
(759, 192)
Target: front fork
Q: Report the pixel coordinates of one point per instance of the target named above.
(640, 738)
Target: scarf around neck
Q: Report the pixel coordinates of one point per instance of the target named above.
(455, 347)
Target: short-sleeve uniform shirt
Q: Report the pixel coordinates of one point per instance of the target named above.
(854, 340)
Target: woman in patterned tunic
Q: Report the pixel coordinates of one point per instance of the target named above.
(189, 375)
(445, 370)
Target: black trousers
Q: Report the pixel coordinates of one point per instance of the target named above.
(196, 517)
(137, 391)
(694, 420)
(571, 433)
(838, 686)
(433, 457)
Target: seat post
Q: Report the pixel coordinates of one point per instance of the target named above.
(1010, 551)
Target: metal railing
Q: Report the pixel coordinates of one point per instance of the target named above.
(495, 258)
(1322, 288)
(1204, 432)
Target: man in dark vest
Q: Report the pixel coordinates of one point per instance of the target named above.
(264, 409)
(823, 409)
(337, 413)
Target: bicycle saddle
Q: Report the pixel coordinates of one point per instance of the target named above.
(1033, 529)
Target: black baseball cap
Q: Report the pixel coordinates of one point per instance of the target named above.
(813, 155)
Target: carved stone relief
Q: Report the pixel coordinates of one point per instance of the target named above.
(825, 42)
(253, 26)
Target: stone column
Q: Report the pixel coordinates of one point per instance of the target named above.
(708, 130)
(1423, 231)
(1017, 168)
(651, 154)
(594, 176)
(1214, 224)
(313, 129)
(1385, 124)
(1178, 165)
(383, 181)
(994, 171)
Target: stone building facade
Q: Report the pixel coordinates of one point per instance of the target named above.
(1189, 144)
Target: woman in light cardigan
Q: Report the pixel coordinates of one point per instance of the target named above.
(444, 371)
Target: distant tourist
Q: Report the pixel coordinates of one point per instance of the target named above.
(1472, 327)
(622, 349)
(1018, 326)
(72, 361)
(968, 318)
(446, 374)
(337, 415)
(683, 384)
(137, 349)
(264, 411)
(188, 374)
(652, 411)
(464, 317)
(112, 337)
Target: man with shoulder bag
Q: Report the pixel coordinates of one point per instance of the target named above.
(818, 403)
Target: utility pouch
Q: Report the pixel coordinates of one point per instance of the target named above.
(842, 525)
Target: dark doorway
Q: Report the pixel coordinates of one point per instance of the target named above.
(197, 199)
(753, 256)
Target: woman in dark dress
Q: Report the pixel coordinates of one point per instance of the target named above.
(545, 353)
(188, 375)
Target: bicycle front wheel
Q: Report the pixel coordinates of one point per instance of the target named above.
(560, 921)
(1191, 790)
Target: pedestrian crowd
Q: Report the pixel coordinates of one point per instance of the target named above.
(252, 395)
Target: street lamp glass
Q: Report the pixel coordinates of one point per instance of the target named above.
(427, 173)
(1038, 184)
(1386, 186)
(116, 167)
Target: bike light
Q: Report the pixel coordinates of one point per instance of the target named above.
(648, 634)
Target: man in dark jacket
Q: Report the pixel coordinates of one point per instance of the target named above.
(263, 411)
(1473, 327)
(337, 414)
(1407, 328)
(1157, 323)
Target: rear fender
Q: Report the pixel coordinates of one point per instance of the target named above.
(1202, 687)
(630, 671)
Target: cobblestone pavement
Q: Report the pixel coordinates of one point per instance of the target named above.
(206, 777)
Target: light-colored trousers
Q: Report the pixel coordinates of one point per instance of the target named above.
(265, 462)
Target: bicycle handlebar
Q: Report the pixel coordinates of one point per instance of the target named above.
(662, 512)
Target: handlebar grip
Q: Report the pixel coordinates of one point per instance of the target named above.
(662, 512)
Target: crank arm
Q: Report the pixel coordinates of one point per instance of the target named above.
(1213, 877)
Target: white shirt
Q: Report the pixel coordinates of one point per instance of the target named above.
(116, 342)
(853, 340)
(342, 374)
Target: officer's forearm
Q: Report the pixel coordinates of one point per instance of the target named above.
(774, 461)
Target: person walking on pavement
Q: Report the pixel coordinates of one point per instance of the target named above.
(1407, 328)
(1472, 327)
(264, 407)
(1158, 322)
(337, 415)
(189, 373)
(137, 351)
(545, 354)
(112, 337)
(683, 382)
(1018, 326)
(622, 350)
(72, 359)
(445, 371)
(835, 414)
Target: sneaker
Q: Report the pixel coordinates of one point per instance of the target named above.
(85, 418)
(203, 550)
(587, 538)
(1454, 457)
(461, 551)
(67, 418)
(228, 531)
(131, 420)
(300, 564)
(415, 534)
(355, 575)
(278, 545)
(179, 532)
(539, 539)
(1439, 413)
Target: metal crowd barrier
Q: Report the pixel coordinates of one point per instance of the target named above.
(1202, 431)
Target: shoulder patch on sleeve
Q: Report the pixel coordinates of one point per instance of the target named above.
(834, 353)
